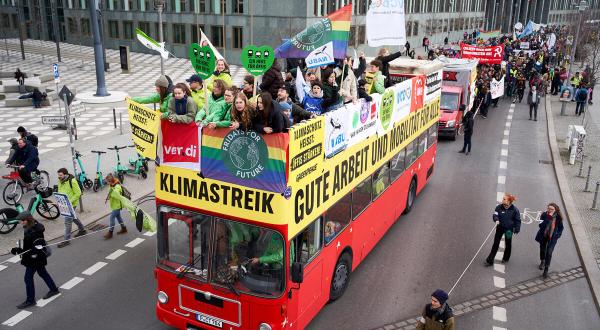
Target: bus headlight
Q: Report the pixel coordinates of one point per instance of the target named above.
(450, 123)
(162, 297)
(264, 326)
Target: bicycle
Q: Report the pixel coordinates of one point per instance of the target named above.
(44, 207)
(15, 189)
(99, 180)
(82, 178)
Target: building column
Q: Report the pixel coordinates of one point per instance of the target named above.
(523, 12)
(546, 12)
(538, 10)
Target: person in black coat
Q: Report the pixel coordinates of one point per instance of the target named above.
(36, 98)
(468, 122)
(385, 57)
(26, 156)
(508, 221)
(550, 231)
(34, 258)
(272, 80)
(269, 117)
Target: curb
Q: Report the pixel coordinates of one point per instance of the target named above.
(582, 241)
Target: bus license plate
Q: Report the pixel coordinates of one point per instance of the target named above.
(210, 320)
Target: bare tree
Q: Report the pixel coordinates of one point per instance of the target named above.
(592, 54)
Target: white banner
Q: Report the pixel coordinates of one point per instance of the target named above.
(497, 88)
(320, 56)
(362, 120)
(433, 86)
(524, 45)
(336, 131)
(64, 205)
(386, 23)
(403, 100)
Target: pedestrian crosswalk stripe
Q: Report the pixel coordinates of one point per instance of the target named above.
(44, 302)
(499, 313)
(71, 283)
(96, 267)
(116, 254)
(134, 243)
(20, 316)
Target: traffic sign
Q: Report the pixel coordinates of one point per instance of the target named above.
(65, 91)
(54, 120)
(56, 74)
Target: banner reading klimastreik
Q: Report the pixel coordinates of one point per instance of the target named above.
(144, 128)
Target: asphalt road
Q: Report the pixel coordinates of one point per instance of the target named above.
(425, 250)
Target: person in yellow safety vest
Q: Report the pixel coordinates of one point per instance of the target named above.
(197, 90)
(576, 79)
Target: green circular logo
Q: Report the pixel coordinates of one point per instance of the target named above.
(386, 109)
(244, 154)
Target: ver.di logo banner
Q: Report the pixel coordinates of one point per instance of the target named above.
(181, 145)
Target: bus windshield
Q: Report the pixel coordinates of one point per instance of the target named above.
(243, 257)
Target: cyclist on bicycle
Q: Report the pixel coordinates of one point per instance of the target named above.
(28, 136)
(26, 156)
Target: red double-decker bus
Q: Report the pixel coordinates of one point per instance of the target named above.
(233, 253)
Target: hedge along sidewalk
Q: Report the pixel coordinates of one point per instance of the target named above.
(583, 242)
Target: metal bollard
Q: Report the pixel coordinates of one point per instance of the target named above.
(563, 107)
(587, 180)
(115, 118)
(121, 122)
(580, 170)
(595, 202)
(75, 128)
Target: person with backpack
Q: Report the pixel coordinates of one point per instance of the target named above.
(68, 185)
(34, 253)
(581, 95)
(437, 315)
(28, 136)
(468, 122)
(114, 192)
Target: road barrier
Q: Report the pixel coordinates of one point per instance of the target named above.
(587, 180)
(594, 203)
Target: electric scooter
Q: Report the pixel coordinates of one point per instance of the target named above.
(82, 178)
(121, 170)
(143, 160)
(99, 180)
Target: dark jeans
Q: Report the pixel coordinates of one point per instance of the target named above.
(484, 109)
(508, 245)
(467, 142)
(37, 104)
(29, 285)
(495, 102)
(533, 109)
(25, 175)
(546, 250)
(579, 108)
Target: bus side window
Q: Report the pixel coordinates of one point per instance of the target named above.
(361, 197)
(178, 244)
(397, 165)
(433, 131)
(411, 153)
(422, 143)
(337, 218)
(308, 242)
(381, 180)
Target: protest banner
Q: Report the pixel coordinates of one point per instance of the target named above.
(181, 145)
(144, 128)
(386, 24)
(485, 55)
(497, 88)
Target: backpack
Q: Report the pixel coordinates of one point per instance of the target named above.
(78, 183)
(32, 138)
(125, 193)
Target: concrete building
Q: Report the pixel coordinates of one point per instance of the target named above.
(232, 24)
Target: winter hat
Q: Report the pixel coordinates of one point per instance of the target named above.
(440, 295)
(285, 106)
(162, 82)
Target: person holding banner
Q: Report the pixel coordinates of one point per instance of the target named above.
(114, 192)
(68, 185)
(298, 114)
(222, 118)
(332, 99)
(378, 85)
(241, 113)
(216, 102)
(347, 81)
(162, 95)
(182, 108)
(197, 90)
(221, 73)
(385, 58)
(313, 100)
(269, 118)
(533, 99)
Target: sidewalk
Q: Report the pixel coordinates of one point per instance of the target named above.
(584, 220)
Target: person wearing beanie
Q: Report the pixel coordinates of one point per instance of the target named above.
(437, 315)
(162, 95)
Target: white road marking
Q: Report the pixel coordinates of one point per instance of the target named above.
(507, 124)
(71, 283)
(20, 316)
(501, 179)
(499, 196)
(503, 165)
(506, 132)
(505, 141)
(498, 328)
(502, 244)
(499, 313)
(14, 259)
(499, 268)
(504, 152)
(2, 267)
(116, 254)
(498, 257)
(499, 282)
(96, 267)
(135, 242)
(149, 233)
(44, 302)
(509, 116)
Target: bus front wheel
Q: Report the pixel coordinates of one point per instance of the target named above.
(412, 194)
(341, 277)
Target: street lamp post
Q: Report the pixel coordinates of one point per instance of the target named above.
(582, 6)
(55, 28)
(100, 81)
(160, 5)
(21, 27)
(449, 12)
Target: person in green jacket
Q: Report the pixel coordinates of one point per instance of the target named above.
(182, 108)
(221, 118)
(216, 102)
(162, 95)
(273, 253)
(378, 85)
(197, 90)
(68, 185)
(115, 206)
(221, 73)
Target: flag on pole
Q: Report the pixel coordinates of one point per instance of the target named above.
(300, 84)
(334, 28)
(356, 61)
(151, 43)
(204, 41)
